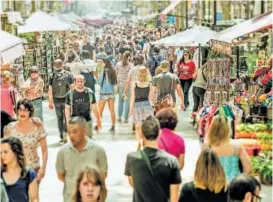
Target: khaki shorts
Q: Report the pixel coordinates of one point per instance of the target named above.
(89, 127)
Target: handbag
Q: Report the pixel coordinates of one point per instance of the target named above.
(166, 101)
(161, 192)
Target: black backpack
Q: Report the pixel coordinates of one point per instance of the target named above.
(60, 85)
(155, 65)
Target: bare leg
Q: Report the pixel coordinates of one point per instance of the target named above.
(111, 105)
(138, 136)
(101, 106)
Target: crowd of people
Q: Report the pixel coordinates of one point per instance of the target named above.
(149, 83)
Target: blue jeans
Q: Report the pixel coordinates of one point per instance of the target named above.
(123, 104)
(38, 108)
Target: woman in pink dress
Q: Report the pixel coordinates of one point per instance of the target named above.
(169, 140)
(7, 93)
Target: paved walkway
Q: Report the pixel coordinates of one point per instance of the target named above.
(117, 147)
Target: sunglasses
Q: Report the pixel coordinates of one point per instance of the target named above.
(33, 71)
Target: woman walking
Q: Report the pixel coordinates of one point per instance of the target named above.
(229, 153)
(31, 132)
(186, 72)
(123, 67)
(140, 106)
(107, 81)
(20, 183)
(8, 93)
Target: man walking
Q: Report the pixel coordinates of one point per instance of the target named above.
(59, 85)
(167, 83)
(77, 154)
(154, 60)
(154, 174)
(80, 102)
(34, 91)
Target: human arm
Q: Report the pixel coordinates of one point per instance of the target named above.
(43, 144)
(33, 191)
(128, 172)
(35, 88)
(245, 159)
(132, 99)
(60, 166)
(50, 97)
(180, 95)
(67, 112)
(174, 192)
(102, 161)
(129, 80)
(181, 160)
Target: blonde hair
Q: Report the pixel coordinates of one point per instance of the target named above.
(124, 58)
(209, 172)
(7, 77)
(158, 70)
(95, 176)
(143, 75)
(219, 131)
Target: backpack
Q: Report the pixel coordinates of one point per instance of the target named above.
(156, 64)
(151, 49)
(60, 85)
(109, 48)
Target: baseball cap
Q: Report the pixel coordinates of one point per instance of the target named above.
(102, 56)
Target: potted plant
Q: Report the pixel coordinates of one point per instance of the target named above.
(265, 171)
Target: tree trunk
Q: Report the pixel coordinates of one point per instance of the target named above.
(33, 6)
(226, 10)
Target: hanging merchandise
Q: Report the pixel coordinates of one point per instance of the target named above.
(218, 85)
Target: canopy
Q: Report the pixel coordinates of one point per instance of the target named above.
(97, 21)
(10, 47)
(42, 22)
(190, 37)
(246, 27)
(61, 17)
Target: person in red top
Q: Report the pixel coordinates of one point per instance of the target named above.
(186, 72)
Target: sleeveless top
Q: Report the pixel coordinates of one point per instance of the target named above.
(231, 166)
(141, 94)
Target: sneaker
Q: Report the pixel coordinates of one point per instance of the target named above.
(96, 128)
(119, 119)
(126, 120)
(134, 127)
(112, 129)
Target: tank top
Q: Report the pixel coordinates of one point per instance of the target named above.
(141, 94)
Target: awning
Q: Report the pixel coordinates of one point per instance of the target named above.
(170, 7)
(190, 37)
(246, 27)
(42, 22)
(97, 21)
(63, 19)
(10, 47)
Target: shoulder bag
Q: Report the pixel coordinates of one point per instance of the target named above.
(166, 101)
(161, 192)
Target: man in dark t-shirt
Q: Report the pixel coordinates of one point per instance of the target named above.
(165, 168)
(80, 102)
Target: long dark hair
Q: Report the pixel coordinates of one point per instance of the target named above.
(17, 148)
(182, 60)
(111, 72)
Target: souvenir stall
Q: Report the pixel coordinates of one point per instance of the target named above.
(252, 90)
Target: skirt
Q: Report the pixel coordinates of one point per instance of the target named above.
(141, 111)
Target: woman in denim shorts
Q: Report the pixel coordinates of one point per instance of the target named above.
(107, 81)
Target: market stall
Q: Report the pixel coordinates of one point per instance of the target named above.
(250, 44)
(11, 47)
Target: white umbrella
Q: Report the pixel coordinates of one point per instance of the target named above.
(10, 47)
(190, 37)
(42, 22)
